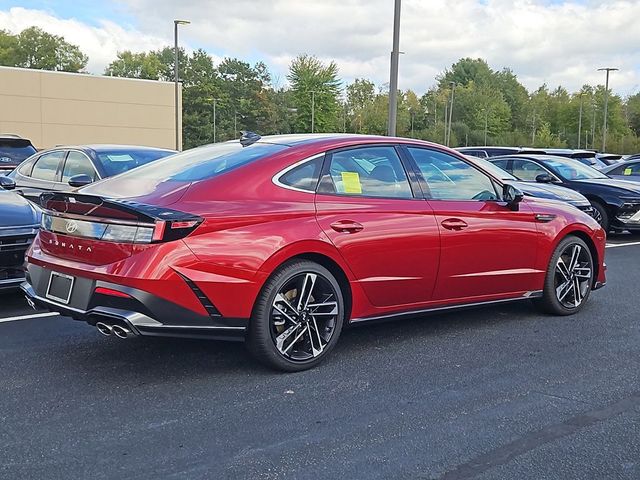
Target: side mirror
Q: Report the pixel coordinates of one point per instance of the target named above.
(80, 180)
(7, 183)
(512, 196)
(544, 178)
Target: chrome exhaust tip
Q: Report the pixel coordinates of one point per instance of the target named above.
(120, 332)
(104, 329)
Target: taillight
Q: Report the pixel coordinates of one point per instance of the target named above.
(111, 292)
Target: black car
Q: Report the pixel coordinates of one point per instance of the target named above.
(13, 150)
(616, 202)
(58, 169)
(539, 190)
(19, 223)
(486, 152)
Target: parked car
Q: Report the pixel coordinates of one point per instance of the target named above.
(13, 150)
(616, 202)
(64, 168)
(632, 157)
(540, 190)
(486, 152)
(629, 170)
(609, 158)
(283, 240)
(19, 222)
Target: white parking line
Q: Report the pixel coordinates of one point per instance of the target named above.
(27, 317)
(615, 245)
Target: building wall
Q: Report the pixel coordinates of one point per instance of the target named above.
(54, 108)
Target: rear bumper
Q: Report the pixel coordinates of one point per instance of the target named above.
(142, 312)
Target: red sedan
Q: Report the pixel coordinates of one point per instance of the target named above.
(281, 241)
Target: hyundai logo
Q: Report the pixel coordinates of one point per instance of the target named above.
(71, 226)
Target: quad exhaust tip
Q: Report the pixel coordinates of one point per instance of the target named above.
(117, 330)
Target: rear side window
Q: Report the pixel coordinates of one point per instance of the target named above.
(46, 166)
(303, 177)
(369, 171)
(203, 162)
(626, 170)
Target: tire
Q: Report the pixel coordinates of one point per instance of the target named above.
(564, 301)
(602, 212)
(280, 317)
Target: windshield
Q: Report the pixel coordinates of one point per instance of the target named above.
(119, 161)
(571, 169)
(494, 170)
(203, 162)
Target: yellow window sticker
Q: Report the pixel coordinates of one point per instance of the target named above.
(627, 171)
(351, 182)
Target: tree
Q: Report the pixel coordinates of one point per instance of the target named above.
(315, 86)
(8, 49)
(35, 48)
(135, 65)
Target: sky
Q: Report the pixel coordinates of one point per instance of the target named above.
(543, 41)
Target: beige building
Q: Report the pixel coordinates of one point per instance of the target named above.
(55, 108)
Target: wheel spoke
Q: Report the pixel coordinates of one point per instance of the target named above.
(574, 257)
(319, 348)
(563, 289)
(294, 340)
(306, 291)
(583, 272)
(561, 268)
(577, 293)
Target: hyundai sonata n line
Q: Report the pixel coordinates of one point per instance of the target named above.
(281, 241)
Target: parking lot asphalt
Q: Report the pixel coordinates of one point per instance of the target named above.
(500, 392)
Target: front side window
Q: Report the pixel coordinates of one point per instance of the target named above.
(527, 170)
(46, 166)
(367, 171)
(78, 164)
(449, 178)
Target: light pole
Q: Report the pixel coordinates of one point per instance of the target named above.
(313, 111)
(175, 76)
(393, 81)
(486, 125)
(580, 121)
(453, 87)
(412, 113)
(215, 101)
(606, 102)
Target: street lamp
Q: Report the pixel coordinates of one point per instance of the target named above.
(393, 83)
(453, 87)
(486, 124)
(580, 122)
(313, 110)
(175, 75)
(606, 102)
(215, 101)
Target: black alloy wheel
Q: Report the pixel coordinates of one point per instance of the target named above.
(298, 317)
(569, 278)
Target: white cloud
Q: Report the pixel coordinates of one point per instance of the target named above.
(541, 40)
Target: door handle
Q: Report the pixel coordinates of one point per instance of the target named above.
(454, 224)
(346, 226)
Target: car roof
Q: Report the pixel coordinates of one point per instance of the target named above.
(530, 156)
(99, 147)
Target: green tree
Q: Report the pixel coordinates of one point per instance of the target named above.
(8, 49)
(135, 65)
(315, 86)
(35, 48)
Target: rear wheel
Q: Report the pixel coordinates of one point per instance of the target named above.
(569, 278)
(298, 317)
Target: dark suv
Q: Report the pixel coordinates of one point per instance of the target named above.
(13, 150)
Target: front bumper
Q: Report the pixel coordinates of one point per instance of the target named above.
(142, 312)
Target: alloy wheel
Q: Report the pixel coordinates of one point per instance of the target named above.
(573, 275)
(303, 316)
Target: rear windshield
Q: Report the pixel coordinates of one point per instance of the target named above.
(15, 151)
(119, 161)
(204, 162)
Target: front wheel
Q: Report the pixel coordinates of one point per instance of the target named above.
(297, 318)
(569, 278)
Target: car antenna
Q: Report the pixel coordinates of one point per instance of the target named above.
(248, 138)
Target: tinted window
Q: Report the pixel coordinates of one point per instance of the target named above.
(14, 151)
(449, 178)
(204, 162)
(527, 170)
(77, 164)
(368, 171)
(119, 161)
(47, 165)
(627, 170)
(502, 164)
(571, 169)
(305, 176)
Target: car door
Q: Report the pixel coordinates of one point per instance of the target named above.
(387, 235)
(487, 249)
(43, 175)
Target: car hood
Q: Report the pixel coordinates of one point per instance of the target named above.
(633, 187)
(553, 192)
(16, 211)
